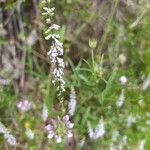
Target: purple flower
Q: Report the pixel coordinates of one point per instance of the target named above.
(58, 138)
(51, 134)
(24, 105)
(68, 124)
(59, 128)
(10, 139)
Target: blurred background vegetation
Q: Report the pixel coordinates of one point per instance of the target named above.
(103, 40)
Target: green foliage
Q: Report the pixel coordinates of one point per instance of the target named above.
(96, 82)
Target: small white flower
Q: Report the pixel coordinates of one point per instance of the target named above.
(91, 132)
(58, 138)
(54, 26)
(2, 128)
(141, 145)
(72, 102)
(130, 120)
(120, 100)
(29, 133)
(81, 143)
(69, 134)
(45, 113)
(123, 80)
(146, 83)
(98, 132)
(51, 134)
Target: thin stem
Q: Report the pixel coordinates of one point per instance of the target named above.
(107, 26)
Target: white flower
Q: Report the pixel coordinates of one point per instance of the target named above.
(91, 132)
(2, 128)
(141, 145)
(123, 80)
(51, 134)
(69, 134)
(130, 120)
(58, 138)
(146, 83)
(120, 100)
(45, 113)
(72, 102)
(81, 143)
(29, 133)
(98, 132)
(54, 26)
(56, 50)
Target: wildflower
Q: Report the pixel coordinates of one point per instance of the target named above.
(10, 139)
(24, 105)
(45, 113)
(91, 132)
(59, 128)
(58, 138)
(130, 120)
(56, 50)
(146, 83)
(29, 133)
(98, 132)
(123, 80)
(120, 100)
(141, 145)
(2, 128)
(72, 102)
(81, 143)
